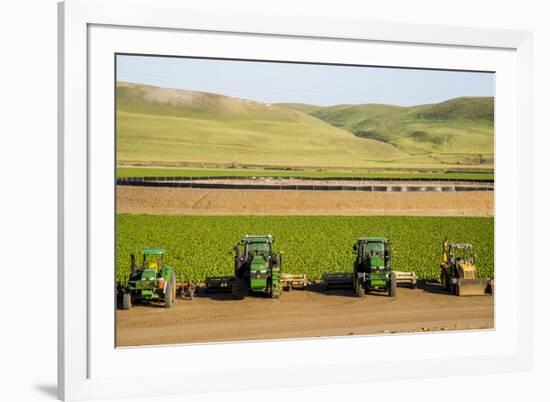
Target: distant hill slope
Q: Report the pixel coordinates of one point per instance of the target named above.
(457, 126)
(167, 126)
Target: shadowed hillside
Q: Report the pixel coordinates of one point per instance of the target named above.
(461, 126)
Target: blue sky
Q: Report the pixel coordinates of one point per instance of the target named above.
(304, 83)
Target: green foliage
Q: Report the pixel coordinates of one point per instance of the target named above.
(199, 246)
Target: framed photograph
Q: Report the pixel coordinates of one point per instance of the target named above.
(289, 200)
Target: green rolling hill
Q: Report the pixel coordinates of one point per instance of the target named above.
(459, 129)
(168, 126)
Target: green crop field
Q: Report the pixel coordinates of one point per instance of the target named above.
(167, 172)
(198, 246)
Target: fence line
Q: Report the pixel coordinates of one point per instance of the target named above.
(339, 178)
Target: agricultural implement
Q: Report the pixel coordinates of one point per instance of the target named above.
(405, 278)
(218, 284)
(338, 280)
(257, 267)
(150, 281)
(459, 273)
(372, 269)
(293, 281)
(186, 290)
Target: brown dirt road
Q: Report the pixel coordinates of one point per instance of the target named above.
(186, 201)
(299, 314)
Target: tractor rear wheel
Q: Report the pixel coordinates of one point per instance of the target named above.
(238, 289)
(393, 285)
(126, 300)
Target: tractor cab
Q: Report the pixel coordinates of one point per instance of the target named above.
(257, 245)
(152, 258)
(460, 252)
(373, 253)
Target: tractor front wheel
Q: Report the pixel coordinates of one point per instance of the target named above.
(126, 300)
(393, 285)
(445, 281)
(169, 294)
(360, 288)
(452, 287)
(174, 287)
(274, 291)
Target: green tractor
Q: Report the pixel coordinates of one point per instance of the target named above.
(372, 269)
(150, 281)
(257, 267)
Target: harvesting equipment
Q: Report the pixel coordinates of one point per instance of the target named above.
(257, 267)
(459, 273)
(150, 281)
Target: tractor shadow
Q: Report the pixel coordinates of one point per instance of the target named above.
(227, 296)
(341, 291)
(216, 296)
(431, 286)
(153, 304)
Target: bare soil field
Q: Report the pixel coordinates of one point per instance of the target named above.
(275, 181)
(188, 201)
(297, 314)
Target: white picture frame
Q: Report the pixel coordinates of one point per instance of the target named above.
(88, 366)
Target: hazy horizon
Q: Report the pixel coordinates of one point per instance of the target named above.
(313, 84)
(310, 104)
